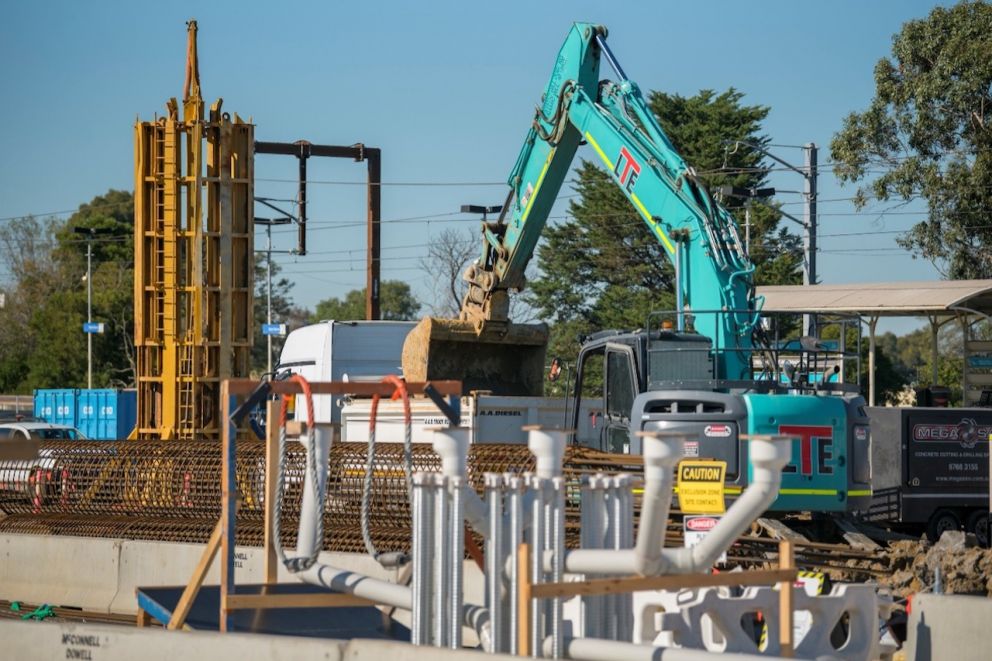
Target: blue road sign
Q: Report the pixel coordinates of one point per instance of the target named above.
(274, 329)
(92, 327)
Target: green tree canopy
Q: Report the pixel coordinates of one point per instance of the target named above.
(41, 340)
(396, 302)
(925, 135)
(602, 268)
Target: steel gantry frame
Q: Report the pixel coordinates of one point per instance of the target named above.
(303, 150)
(193, 262)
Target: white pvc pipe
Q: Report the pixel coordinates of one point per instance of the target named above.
(598, 649)
(318, 444)
(768, 455)
(377, 590)
(548, 447)
(339, 580)
(661, 454)
(451, 444)
(360, 585)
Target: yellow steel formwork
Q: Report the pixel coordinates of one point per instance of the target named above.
(193, 262)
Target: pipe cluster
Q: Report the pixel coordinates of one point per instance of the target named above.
(530, 508)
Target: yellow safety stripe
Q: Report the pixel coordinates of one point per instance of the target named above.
(736, 491)
(537, 187)
(658, 231)
(599, 150)
(655, 227)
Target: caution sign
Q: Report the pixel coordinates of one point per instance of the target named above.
(700, 486)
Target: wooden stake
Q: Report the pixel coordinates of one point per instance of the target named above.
(271, 484)
(523, 600)
(228, 505)
(627, 584)
(178, 618)
(785, 561)
(308, 600)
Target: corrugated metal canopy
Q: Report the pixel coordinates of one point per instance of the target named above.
(881, 298)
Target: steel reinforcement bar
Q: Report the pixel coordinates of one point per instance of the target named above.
(172, 491)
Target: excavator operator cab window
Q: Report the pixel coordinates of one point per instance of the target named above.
(620, 390)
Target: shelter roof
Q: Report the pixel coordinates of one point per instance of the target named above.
(905, 299)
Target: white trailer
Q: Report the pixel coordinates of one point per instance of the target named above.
(491, 418)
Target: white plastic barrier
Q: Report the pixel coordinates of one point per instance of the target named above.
(710, 619)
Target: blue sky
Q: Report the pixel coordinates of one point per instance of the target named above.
(445, 89)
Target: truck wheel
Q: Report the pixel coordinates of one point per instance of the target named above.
(940, 522)
(978, 523)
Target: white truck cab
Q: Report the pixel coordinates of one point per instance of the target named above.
(343, 351)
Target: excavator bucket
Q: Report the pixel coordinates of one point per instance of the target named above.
(506, 362)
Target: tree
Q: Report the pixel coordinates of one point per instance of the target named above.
(447, 257)
(914, 355)
(925, 136)
(41, 340)
(396, 302)
(602, 268)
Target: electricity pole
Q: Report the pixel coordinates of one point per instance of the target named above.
(89, 313)
(89, 327)
(808, 171)
(809, 213)
(268, 292)
(269, 222)
(809, 226)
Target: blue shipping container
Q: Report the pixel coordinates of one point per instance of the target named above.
(57, 406)
(107, 414)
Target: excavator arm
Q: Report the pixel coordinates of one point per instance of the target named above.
(697, 234)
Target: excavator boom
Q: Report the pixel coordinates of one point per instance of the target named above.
(613, 119)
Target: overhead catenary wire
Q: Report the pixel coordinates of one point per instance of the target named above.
(399, 258)
(877, 161)
(359, 258)
(439, 184)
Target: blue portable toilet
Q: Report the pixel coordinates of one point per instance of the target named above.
(56, 405)
(106, 414)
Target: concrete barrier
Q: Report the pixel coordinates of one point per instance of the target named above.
(101, 574)
(57, 570)
(949, 627)
(94, 642)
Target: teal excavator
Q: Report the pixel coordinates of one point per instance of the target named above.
(708, 367)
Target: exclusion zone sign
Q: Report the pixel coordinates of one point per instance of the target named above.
(700, 485)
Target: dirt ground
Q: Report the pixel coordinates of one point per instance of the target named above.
(963, 567)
